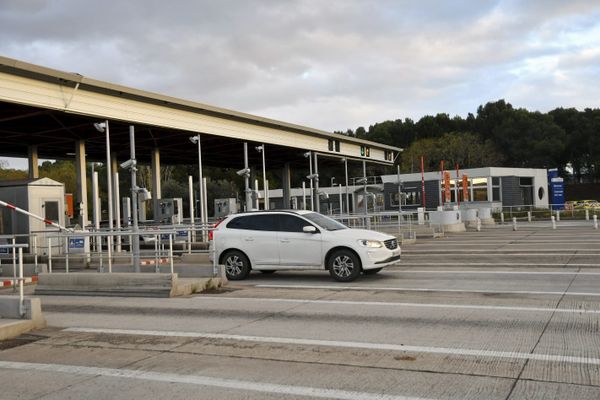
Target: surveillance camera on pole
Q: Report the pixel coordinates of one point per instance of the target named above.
(244, 172)
(307, 154)
(259, 148)
(129, 164)
(194, 139)
(361, 181)
(100, 126)
(312, 176)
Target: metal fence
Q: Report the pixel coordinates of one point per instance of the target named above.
(103, 248)
(17, 250)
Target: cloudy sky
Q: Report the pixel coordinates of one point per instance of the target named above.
(322, 63)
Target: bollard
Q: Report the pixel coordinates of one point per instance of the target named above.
(21, 280)
(171, 251)
(50, 255)
(478, 224)
(67, 255)
(558, 215)
(514, 223)
(553, 222)
(528, 216)
(502, 218)
(587, 214)
(35, 255)
(595, 221)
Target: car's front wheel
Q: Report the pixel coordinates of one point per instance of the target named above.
(237, 265)
(344, 266)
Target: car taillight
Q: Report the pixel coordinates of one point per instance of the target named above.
(210, 233)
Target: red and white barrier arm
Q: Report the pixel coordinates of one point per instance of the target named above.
(44, 220)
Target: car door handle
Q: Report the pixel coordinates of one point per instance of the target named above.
(284, 240)
(249, 239)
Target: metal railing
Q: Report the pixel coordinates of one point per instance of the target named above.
(18, 254)
(98, 248)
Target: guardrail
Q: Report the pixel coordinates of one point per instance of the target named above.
(19, 251)
(99, 246)
(536, 215)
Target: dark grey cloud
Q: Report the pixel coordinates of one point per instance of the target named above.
(330, 65)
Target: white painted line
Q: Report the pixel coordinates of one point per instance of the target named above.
(553, 252)
(203, 381)
(497, 272)
(404, 289)
(487, 264)
(397, 304)
(354, 345)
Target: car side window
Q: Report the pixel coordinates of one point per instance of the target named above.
(290, 223)
(255, 223)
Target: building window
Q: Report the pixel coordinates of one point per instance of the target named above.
(51, 210)
(334, 145)
(410, 197)
(365, 151)
(389, 155)
(480, 190)
(496, 192)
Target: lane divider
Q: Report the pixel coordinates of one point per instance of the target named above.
(9, 283)
(231, 384)
(426, 290)
(239, 300)
(354, 345)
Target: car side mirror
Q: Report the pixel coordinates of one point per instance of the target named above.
(309, 229)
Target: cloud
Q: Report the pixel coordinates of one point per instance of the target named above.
(330, 65)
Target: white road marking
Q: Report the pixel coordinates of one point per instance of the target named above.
(354, 345)
(397, 304)
(445, 253)
(234, 384)
(404, 289)
(500, 272)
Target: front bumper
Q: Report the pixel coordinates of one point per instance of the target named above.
(378, 258)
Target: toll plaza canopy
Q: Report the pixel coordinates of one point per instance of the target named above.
(52, 110)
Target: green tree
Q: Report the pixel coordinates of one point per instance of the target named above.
(462, 148)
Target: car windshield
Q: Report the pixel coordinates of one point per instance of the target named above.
(324, 222)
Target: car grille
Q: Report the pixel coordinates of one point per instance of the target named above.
(391, 244)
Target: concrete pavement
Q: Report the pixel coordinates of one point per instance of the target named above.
(495, 314)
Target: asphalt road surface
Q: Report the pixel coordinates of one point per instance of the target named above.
(495, 314)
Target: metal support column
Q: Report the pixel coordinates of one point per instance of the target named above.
(135, 238)
(317, 198)
(32, 158)
(81, 176)
(286, 185)
(247, 190)
(347, 194)
(156, 190)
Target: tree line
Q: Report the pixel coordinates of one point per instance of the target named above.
(497, 135)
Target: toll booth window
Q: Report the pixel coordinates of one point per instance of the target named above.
(525, 181)
(51, 210)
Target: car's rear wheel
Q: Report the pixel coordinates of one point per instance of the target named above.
(237, 265)
(344, 266)
(371, 271)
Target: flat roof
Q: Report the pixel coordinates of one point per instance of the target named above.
(44, 73)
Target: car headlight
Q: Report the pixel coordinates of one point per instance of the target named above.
(370, 243)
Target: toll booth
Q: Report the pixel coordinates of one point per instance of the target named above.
(44, 197)
(224, 207)
(169, 211)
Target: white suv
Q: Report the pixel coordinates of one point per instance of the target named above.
(291, 240)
